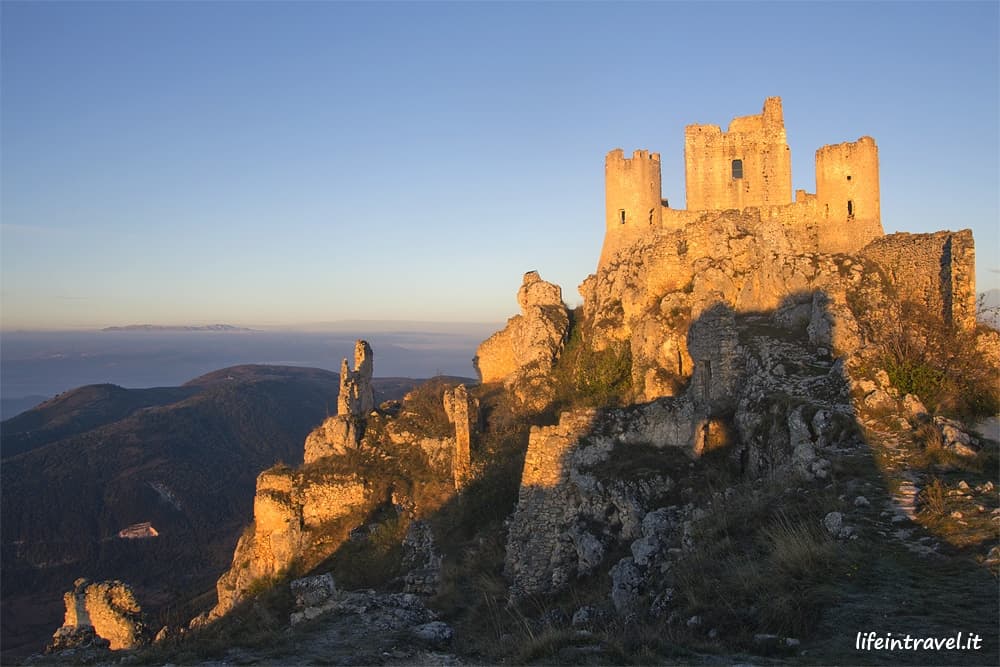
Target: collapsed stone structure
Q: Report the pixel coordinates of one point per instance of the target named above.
(96, 611)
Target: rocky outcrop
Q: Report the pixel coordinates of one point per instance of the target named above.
(524, 352)
(365, 612)
(563, 495)
(774, 407)
(651, 290)
(342, 432)
(463, 411)
(335, 436)
(99, 614)
(291, 509)
(358, 461)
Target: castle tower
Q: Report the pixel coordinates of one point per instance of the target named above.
(847, 195)
(632, 197)
(748, 165)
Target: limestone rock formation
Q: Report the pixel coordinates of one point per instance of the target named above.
(342, 432)
(107, 610)
(367, 612)
(336, 435)
(527, 348)
(356, 462)
(290, 508)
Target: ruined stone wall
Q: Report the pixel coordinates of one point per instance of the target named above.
(463, 412)
(110, 608)
(937, 270)
(356, 397)
(847, 195)
(759, 142)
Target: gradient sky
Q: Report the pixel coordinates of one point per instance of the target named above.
(265, 163)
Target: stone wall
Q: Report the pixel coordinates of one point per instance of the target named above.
(936, 270)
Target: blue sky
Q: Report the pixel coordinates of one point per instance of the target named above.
(264, 163)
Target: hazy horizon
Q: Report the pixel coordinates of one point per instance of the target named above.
(41, 363)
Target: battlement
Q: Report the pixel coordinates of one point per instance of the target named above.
(637, 156)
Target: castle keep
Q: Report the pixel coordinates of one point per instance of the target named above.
(749, 167)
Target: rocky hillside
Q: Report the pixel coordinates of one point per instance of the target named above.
(733, 451)
(94, 461)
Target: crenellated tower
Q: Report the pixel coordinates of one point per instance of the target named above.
(633, 205)
(847, 195)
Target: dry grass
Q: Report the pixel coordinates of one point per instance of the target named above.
(932, 500)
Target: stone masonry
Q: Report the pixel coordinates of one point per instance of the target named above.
(109, 607)
(937, 270)
(748, 168)
(463, 412)
(356, 398)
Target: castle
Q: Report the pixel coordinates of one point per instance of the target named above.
(749, 167)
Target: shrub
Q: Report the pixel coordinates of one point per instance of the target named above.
(932, 499)
(926, 356)
(585, 376)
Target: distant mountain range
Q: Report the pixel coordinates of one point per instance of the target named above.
(158, 327)
(81, 467)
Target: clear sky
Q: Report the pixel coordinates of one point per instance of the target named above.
(282, 163)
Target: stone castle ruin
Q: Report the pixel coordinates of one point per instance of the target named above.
(745, 173)
(749, 166)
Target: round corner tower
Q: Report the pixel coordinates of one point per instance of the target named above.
(632, 195)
